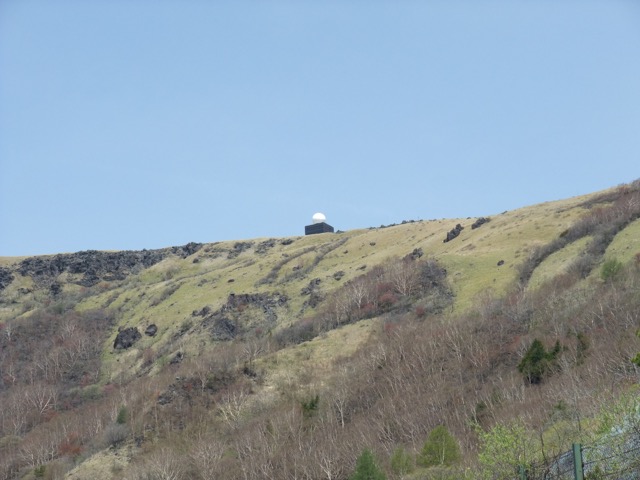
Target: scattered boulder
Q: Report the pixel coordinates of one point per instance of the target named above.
(206, 310)
(500, 263)
(416, 254)
(338, 275)
(151, 330)
(126, 338)
(309, 289)
(178, 357)
(453, 233)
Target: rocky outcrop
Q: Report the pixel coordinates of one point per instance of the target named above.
(93, 266)
(223, 328)
(264, 247)
(453, 233)
(238, 248)
(479, 222)
(186, 250)
(126, 338)
(315, 296)
(231, 320)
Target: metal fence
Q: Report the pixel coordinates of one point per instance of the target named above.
(605, 460)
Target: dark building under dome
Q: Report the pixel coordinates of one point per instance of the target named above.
(321, 227)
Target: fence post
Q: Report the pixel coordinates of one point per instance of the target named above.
(578, 470)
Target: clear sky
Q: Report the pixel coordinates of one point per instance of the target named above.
(131, 124)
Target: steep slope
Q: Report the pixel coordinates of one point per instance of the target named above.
(237, 332)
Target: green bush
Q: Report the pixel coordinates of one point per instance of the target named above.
(401, 461)
(123, 416)
(502, 450)
(610, 269)
(440, 449)
(366, 468)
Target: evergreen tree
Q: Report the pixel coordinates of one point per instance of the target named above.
(366, 468)
(123, 416)
(537, 361)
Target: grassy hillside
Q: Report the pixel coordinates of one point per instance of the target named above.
(327, 344)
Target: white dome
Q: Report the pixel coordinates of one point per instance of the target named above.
(319, 217)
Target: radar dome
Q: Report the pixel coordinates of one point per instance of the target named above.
(319, 217)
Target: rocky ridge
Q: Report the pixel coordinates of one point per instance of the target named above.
(90, 266)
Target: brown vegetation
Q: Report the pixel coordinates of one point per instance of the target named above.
(219, 414)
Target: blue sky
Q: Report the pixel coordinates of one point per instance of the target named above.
(130, 124)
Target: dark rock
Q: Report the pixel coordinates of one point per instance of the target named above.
(55, 289)
(93, 266)
(309, 289)
(6, 277)
(238, 248)
(151, 330)
(286, 241)
(263, 247)
(264, 300)
(479, 222)
(338, 275)
(500, 263)
(177, 358)
(453, 233)
(314, 299)
(224, 329)
(225, 323)
(166, 398)
(186, 250)
(417, 253)
(126, 338)
(202, 312)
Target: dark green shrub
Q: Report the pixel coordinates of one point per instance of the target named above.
(538, 362)
(310, 407)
